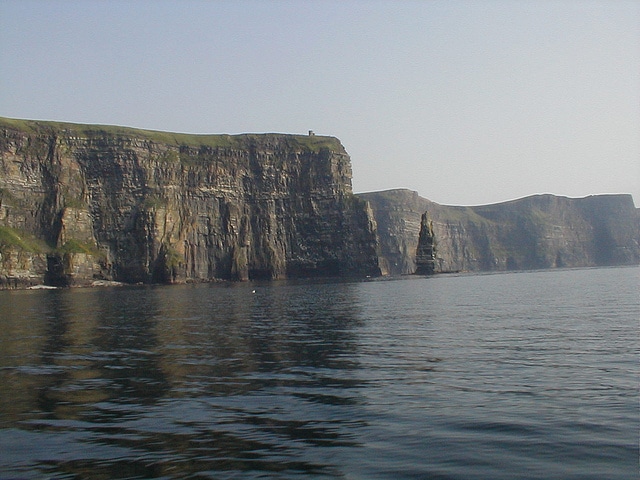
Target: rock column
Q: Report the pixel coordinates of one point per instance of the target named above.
(426, 252)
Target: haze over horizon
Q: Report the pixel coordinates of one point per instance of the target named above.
(465, 102)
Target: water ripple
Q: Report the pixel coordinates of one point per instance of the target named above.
(515, 376)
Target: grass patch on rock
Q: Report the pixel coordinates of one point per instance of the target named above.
(75, 246)
(10, 237)
(314, 143)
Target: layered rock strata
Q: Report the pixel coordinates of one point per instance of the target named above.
(426, 249)
(537, 232)
(81, 202)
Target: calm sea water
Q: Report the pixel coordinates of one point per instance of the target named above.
(519, 375)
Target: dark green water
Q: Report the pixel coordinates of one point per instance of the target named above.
(521, 375)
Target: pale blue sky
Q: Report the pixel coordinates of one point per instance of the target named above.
(467, 102)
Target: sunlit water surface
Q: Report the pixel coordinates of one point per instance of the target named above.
(519, 375)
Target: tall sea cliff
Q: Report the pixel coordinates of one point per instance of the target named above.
(83, 203)
(537, 232)
(80, 203)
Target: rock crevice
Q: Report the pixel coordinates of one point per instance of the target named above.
(136, 206)
(537, 232)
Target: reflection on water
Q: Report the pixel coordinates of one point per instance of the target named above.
(147, 382)
(504, 376)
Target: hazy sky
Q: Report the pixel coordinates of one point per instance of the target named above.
(467, 102)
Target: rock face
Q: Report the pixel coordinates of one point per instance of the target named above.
(426, 251)
(542, 231)
(80, 202)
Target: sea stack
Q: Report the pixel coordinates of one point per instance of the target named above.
(426, 251)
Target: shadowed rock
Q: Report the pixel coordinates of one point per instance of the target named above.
(95, 202)
(426, 250)
(541, 231)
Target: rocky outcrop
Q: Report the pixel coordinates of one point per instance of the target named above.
(426, 251)
(80, 202)
(542, 231)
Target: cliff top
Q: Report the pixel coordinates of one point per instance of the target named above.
(405, 195)
(306, 142)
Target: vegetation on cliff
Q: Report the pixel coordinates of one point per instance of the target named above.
(11, 238)
(139, 206)
(85, 202)
(313, 143)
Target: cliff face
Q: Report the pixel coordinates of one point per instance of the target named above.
(426, 250)
(542, 231)
(81, 202)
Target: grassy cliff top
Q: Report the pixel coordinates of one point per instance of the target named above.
(38, 127)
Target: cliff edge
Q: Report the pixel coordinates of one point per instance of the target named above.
(537, 232)
(83, 202)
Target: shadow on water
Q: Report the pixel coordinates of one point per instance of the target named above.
(100, 345)
(510, 376)
(187, 381)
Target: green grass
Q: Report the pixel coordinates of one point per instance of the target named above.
(303, 142)
(74, 246)
(10, 237)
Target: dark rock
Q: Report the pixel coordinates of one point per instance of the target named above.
(135, 206)
(537, 232)
(426, 250)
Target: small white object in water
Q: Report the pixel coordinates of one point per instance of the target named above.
(253, 291)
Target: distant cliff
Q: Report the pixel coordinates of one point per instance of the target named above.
(542, 231)
(81, 202)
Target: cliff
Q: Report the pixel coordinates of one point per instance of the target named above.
(542, 231)
(426, 249)
(83, 202)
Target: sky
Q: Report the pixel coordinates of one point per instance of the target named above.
(465, 102)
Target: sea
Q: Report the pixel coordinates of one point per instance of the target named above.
(528, 375)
